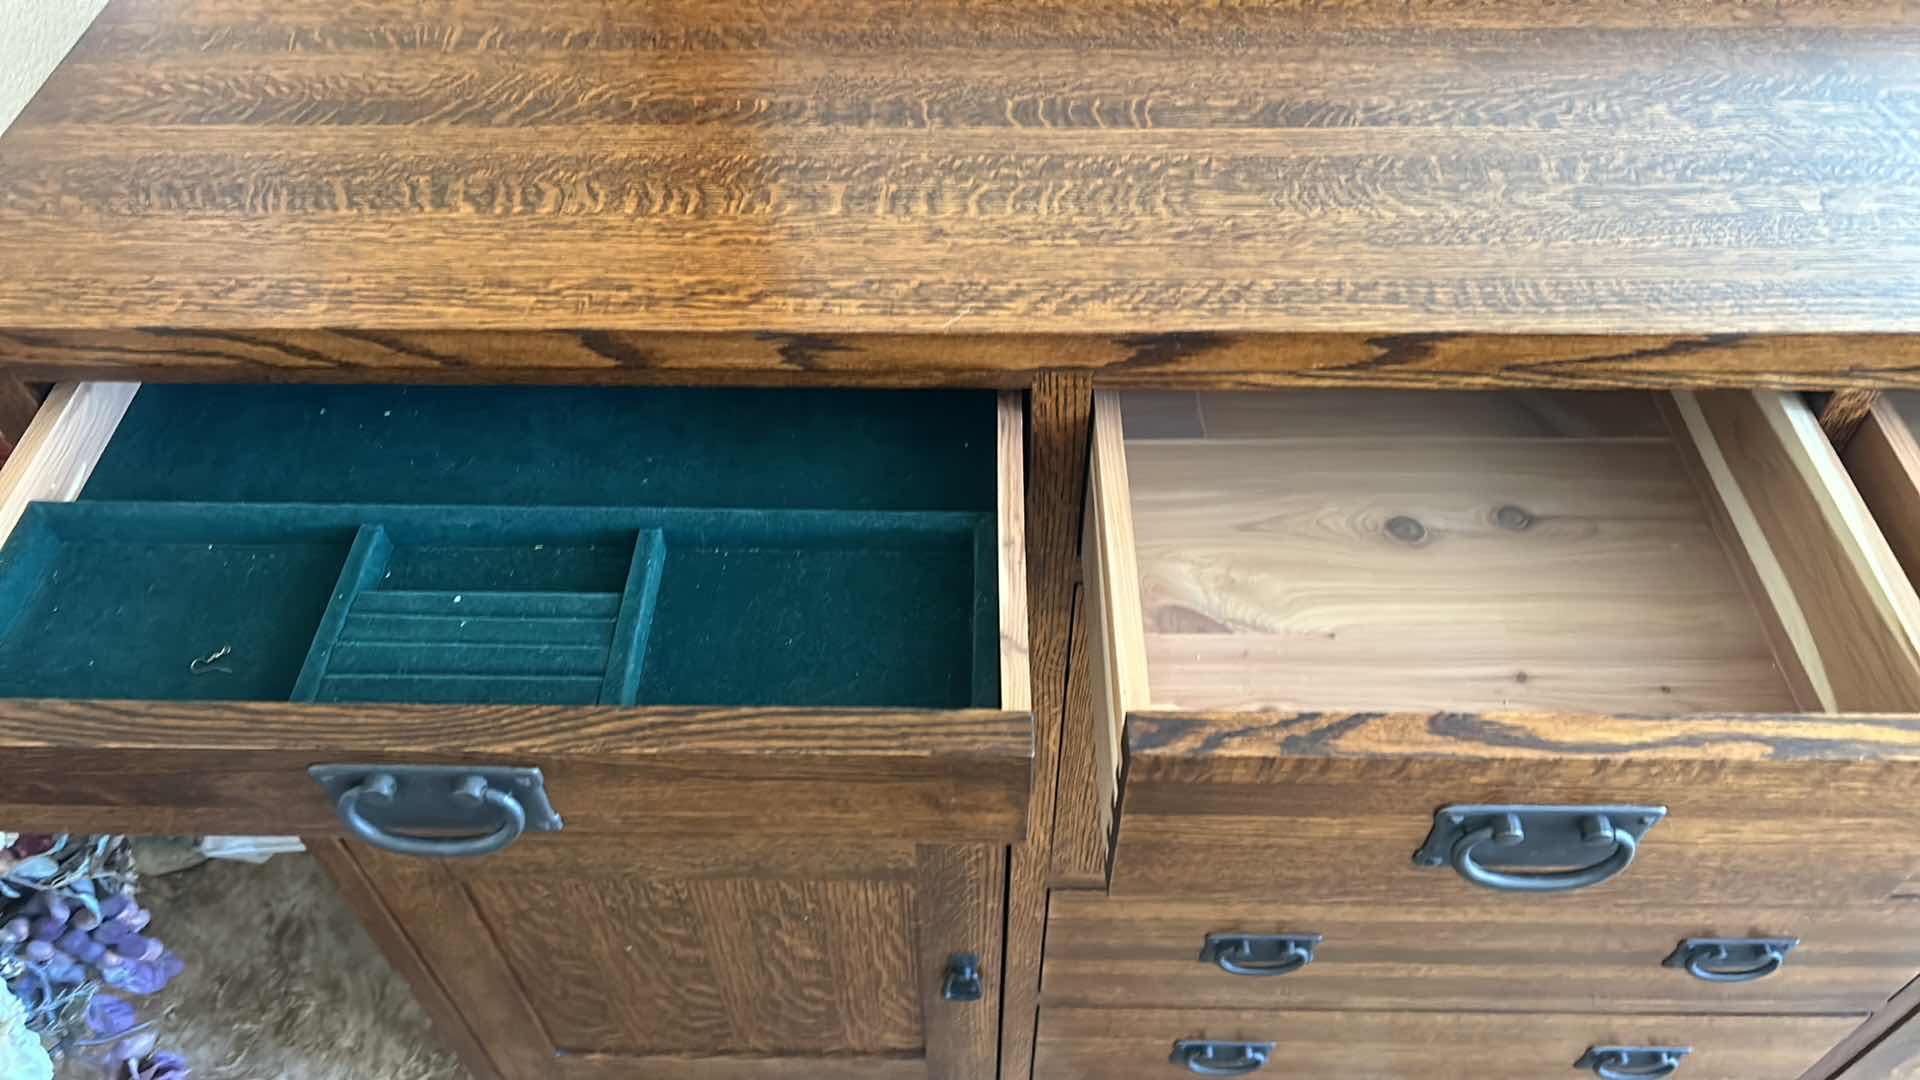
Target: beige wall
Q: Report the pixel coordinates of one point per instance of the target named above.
(36, 35)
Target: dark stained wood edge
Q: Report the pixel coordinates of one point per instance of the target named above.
(18, 404)
(389, 933)
(961, 777)
(1008, 361)
(1843, 412)
(1889, 1038)
(1237, 744)
(1059, 418)
(598, 733)
(959, 898)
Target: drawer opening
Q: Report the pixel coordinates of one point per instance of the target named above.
(1601, 552)
(842, 583)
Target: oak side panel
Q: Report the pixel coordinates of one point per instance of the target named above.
(1116, 665)
(1083, 805)
(1058, 415)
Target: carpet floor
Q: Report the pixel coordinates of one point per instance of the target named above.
(281, 982)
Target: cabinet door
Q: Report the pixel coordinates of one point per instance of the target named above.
(731, 958)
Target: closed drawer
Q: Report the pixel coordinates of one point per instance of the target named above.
(1491, 954)
(1124, 1044)
(1319, 619)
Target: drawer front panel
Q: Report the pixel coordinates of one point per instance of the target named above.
(1561, 956)
(1775, 811)
(1135, 1044)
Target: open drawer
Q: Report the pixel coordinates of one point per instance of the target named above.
(1323, 618)
(762, 652)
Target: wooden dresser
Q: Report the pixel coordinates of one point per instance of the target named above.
(1409, 600)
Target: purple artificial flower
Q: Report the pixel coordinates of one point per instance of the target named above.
(108, 1015)
(159, 1066)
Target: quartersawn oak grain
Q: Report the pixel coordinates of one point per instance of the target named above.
(1133, 1044)
(221, 767)
(1486, 953)
(1059, 413)
(667, 956)
(1015, 166)
(1802, 810)
(1173, 360)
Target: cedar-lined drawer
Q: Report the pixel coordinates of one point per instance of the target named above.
(1490, 954)
(1138, 1044)
(663, 599)
(1321, 617)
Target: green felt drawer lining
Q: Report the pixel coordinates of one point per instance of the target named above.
(413, 603)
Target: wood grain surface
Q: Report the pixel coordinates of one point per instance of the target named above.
(1491, 953)
(1058, 415)
(959, 898)
(241, 767)
(1013, 166)
(1182, 360)
(1827, 570)
(390, 934)
(660, 959)
(1884, 460)
(1842, 413)
(1793, 810)
(1133, 1044)
(1399, 551)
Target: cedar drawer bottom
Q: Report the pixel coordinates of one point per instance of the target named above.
(1500, 953)
(1315, 620)
(1135, 1044)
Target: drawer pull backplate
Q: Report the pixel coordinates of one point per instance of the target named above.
(1205, 1057)
(488, 807)
(1632, 1062)
(1583, 845)
(1730, 960)
(1259, 954)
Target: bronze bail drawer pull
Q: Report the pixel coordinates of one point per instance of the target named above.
(1632, 1062)
(494, 806)
(1259, 954)
(1730, 960)
(1476, 840)
(1207, 1057)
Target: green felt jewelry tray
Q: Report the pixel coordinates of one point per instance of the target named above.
(618, 605)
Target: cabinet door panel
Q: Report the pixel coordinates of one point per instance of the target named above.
(584, 959)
